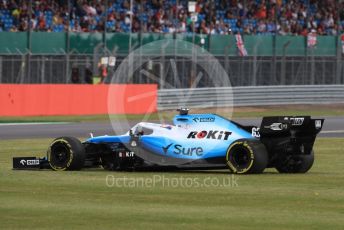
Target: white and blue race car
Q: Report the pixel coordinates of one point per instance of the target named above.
(194, 141)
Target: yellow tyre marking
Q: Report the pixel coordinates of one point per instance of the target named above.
(70, 151)
(231, 166)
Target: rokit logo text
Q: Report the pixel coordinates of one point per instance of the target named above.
(211, 134)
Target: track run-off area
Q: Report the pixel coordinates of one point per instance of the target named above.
(333, 127)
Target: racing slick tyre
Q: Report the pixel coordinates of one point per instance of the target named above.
(296, 164)
(66, 153)
(247, 156)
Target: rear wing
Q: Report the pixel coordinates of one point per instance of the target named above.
(289, 135)
(290, 125)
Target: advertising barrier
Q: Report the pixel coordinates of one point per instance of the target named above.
(63, 99)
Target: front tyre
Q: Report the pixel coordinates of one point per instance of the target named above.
(296, 164)
(247, 156)
(66, 153)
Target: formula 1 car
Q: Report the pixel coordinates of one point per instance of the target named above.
(194, 141)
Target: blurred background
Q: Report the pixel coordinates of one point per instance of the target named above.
(84, 41)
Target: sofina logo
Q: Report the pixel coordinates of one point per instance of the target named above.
(204, 119)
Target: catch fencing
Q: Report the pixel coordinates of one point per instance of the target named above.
(242, 71)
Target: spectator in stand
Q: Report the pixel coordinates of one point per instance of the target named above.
(282, 17)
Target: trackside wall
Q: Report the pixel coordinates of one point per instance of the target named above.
(64, 99)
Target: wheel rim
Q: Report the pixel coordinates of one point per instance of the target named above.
(60, 155)
(240, 157)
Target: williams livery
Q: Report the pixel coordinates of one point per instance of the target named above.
(194, 141)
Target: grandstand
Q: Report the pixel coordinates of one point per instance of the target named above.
(282, 17)
(56, 41)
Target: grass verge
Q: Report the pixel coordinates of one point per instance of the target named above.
(82, 200)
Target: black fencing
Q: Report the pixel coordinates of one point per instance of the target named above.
(168, 71)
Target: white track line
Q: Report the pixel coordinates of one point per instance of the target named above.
(332, 131)
(33, 123)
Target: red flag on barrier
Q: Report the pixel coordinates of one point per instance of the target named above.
(240, 44)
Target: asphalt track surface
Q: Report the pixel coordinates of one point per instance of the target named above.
(333, 127)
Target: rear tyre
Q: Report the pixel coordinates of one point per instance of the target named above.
(247, 156)
(296, 164)
(66, 153)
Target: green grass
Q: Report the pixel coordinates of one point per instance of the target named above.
(81, 200)
(238, 112)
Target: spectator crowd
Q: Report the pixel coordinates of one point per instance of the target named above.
(282, 17)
